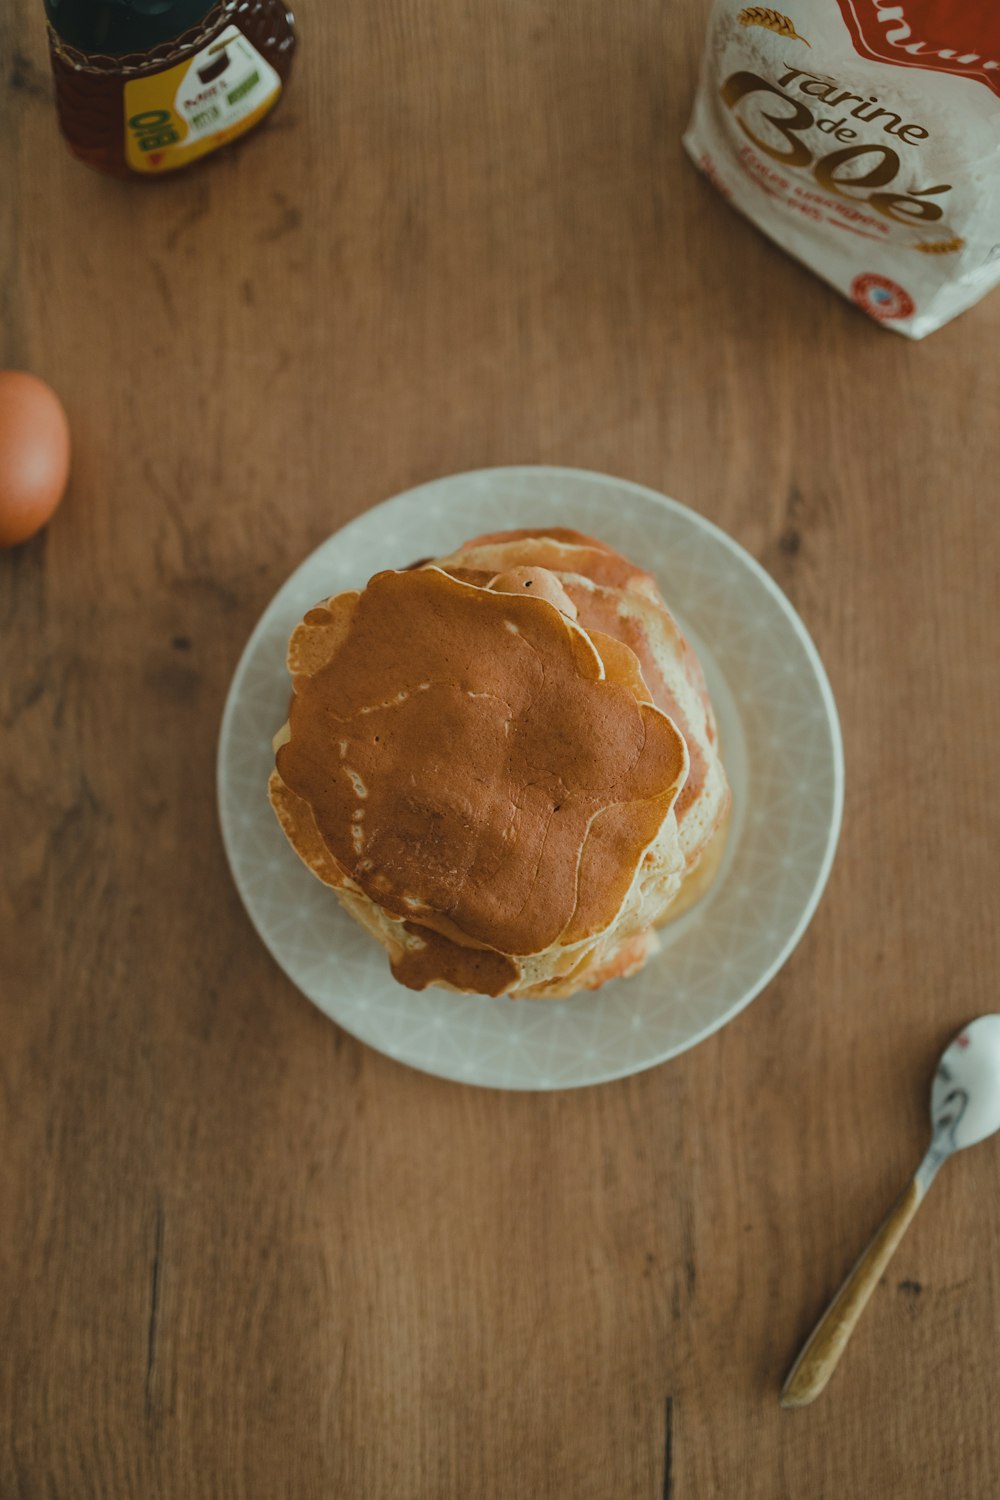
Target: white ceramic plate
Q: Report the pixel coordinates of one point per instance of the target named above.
(781, 744)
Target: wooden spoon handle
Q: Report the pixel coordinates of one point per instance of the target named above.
(828, 1340)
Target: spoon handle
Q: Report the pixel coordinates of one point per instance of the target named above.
(828, 1340)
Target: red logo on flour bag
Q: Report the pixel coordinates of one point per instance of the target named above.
(859, 135)
(951, 36)
(881, 298)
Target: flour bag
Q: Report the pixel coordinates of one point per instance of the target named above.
(864, 138)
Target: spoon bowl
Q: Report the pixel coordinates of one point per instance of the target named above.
(965, 1094)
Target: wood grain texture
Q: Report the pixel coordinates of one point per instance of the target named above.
(242, 1256)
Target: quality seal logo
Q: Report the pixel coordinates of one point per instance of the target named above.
(881, 298)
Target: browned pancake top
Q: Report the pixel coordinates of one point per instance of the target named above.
(467, 763)
(597, 609)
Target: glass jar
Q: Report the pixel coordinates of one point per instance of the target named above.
(144, 87)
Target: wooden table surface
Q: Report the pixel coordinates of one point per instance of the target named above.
(242, 1255)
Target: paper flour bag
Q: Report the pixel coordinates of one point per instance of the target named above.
(864, 137)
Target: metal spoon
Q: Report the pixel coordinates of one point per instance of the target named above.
(965, 1108)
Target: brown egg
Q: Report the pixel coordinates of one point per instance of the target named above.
(34, 455)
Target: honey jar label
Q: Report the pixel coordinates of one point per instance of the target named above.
(171, 118)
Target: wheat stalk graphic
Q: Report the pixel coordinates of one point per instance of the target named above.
(943, 247)
(771, 20)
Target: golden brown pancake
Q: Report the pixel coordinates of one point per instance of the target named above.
(480, 758)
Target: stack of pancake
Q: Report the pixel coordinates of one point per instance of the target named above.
(505, 763)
